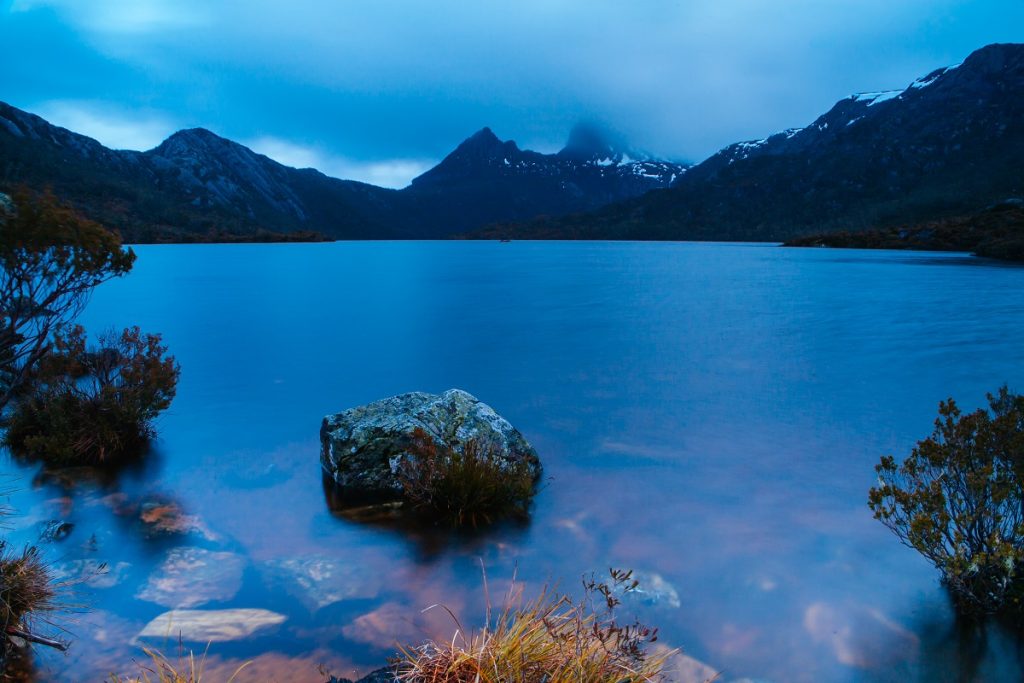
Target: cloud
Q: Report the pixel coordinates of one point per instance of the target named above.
(117, 128)
(125, 16)
(111, 126)
(393, 173)
(385, 80)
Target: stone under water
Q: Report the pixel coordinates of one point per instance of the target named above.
(211, 626)
(189, 577)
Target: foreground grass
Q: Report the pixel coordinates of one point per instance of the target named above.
(159, 669)
(551, 638)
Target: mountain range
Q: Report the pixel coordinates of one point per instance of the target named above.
(950, 144)
(196, 183)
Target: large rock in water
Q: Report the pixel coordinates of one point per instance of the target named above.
(362, 448)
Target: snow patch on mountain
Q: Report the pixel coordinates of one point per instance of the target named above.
(873, 98)
(925, 81)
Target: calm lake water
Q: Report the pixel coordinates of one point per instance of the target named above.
(707, 415)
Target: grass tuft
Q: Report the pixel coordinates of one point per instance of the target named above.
(160, 669)
(26, 586)
(27, 594)
(551, 638)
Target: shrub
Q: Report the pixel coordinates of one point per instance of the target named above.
(94, 405)
(958, 500)
(552, 638)
(50, 260)
(469, 486)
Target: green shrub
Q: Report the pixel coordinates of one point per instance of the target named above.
(93, 405)
(958, 500)
(470, 486)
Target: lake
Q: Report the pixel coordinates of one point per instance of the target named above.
(708, 415)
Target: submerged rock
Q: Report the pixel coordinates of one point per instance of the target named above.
(193, 576)
(860, 635)
(162, 517)
(211, 626)
(320, 581)
(384, 675)
(651, 589)
(363, 448)
(383, 627)
(54, 530)
(654, 590)
(92, 573)
(686, 669)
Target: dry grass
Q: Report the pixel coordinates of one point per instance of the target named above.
(551, 639)
(28, 596)
(159, 669)
(26, 587)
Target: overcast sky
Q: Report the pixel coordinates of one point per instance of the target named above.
(379, 90)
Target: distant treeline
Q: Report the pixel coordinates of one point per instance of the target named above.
(997, 232)
(261, 236)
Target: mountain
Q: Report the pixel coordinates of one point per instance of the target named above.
(487, 180)
(193, 183)
(948, 145)
(196, 183)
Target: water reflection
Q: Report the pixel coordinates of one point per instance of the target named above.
(136, 469)
(429, 540)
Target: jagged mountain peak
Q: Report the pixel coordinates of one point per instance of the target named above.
(482, 149)
(484, 143)
(484, 136)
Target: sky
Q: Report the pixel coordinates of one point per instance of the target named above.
(380, 90)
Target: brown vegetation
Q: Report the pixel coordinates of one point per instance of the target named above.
(93, 405)
(551, 638)
(472, 485)
(997, 232)
(27, 594)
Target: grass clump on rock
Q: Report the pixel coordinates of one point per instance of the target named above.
(958, 499)
(93, 405)
(467, 486)
(552, 638)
